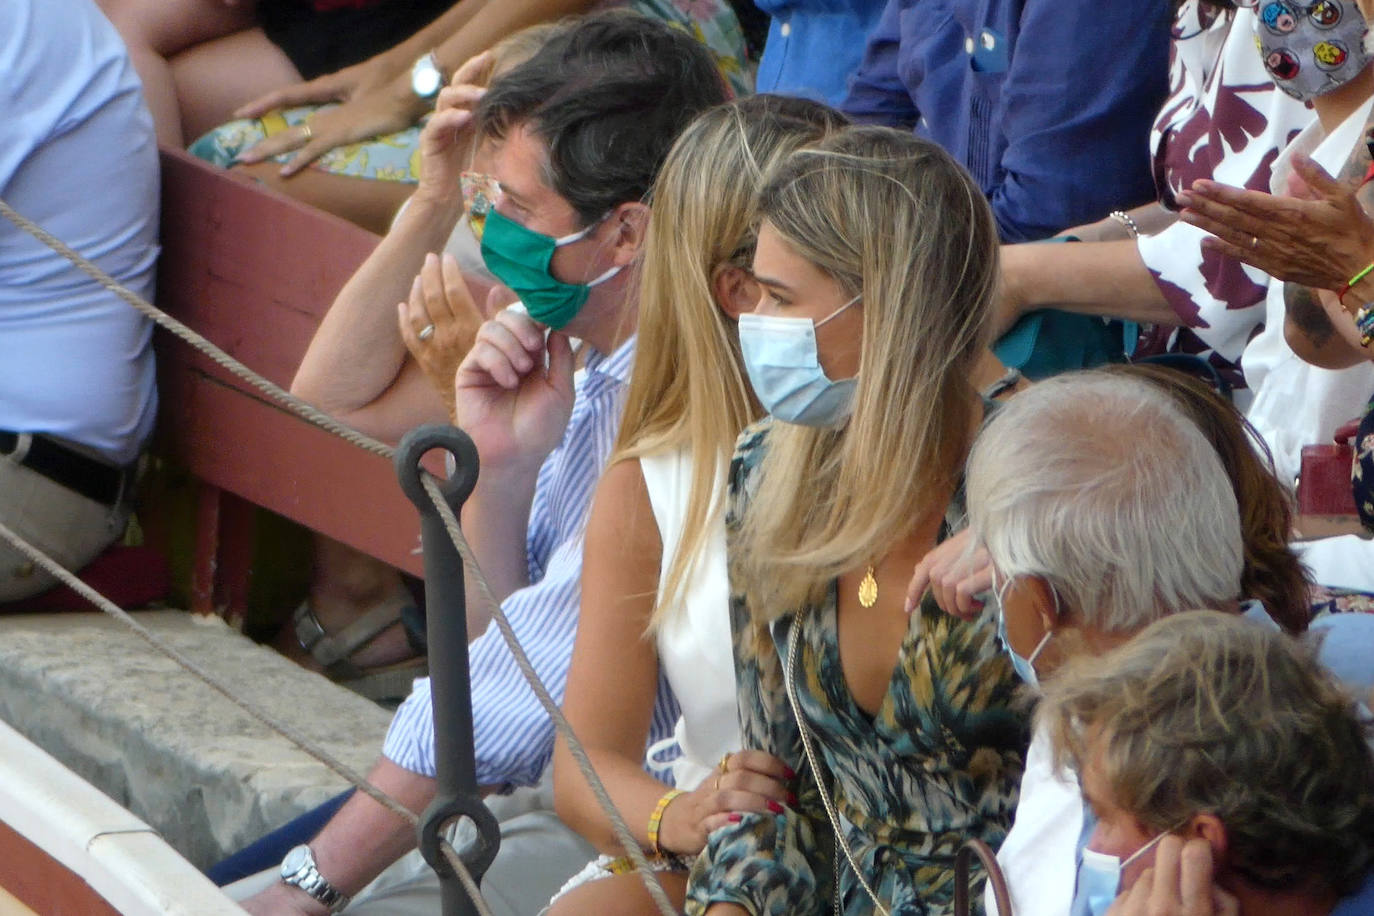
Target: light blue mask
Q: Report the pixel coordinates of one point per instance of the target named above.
(1024, 667)
(785, 369)
(1099, 876)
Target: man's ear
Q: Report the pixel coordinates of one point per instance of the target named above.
(631, 222)
(1046, 604)
(735, 290)
(1210, 828)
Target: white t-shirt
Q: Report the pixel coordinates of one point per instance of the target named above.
(78, 157)
(1040, 854)
(695, 649)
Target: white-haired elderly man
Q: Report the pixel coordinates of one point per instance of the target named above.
(1101, 507)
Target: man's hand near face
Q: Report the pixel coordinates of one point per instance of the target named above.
(513, 405)
(1178, 884)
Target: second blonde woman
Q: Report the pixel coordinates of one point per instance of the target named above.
(655, 600)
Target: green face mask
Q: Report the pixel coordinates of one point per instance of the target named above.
(520, 257)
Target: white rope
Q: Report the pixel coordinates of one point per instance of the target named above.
(493, 608)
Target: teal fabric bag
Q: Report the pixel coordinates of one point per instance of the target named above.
(1047, 342)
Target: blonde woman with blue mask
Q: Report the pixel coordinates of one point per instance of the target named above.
(655, 610)
(877, 256)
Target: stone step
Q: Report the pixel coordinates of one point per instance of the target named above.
(173, 751)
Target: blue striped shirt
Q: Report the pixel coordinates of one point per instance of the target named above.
(512, 736)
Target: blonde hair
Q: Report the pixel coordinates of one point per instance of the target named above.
(1204, 712)
(688, 388)
(896, 221)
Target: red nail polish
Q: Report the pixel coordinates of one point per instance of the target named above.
(792, 799)
(789, 772)
(774, 807)
(735, 818)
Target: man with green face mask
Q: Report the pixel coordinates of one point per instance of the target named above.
(577, 135)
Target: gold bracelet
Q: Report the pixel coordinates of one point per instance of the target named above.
(656, 819)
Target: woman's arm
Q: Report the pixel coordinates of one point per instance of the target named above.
(1090, 278)
(613, 682)
(378, 99)
(614, 673)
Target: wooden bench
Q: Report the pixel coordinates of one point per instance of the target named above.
(255, 271)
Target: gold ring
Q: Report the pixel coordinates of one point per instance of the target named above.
(724, 764)
(1254, 243)
(716, 786)
(309, 134)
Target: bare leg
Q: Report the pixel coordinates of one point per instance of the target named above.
(345, 584)
(157, 30)
(620, 895)
(370, 204)
(215, 77)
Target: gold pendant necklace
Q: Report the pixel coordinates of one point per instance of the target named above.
(868, 589)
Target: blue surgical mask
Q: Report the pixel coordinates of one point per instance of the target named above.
(1099, 876)
(785, 369)
(1024, 667)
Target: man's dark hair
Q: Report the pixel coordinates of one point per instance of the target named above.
(608, 95)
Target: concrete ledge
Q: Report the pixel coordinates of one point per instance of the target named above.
(176, 753)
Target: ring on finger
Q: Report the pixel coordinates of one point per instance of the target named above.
(1254, 243)
(426, 332)
(305, 129)
(716, 785)
(724, 764)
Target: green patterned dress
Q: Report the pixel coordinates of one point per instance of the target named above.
(941, 762)
(396, 157)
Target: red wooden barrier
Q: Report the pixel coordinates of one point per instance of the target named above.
(254, 271)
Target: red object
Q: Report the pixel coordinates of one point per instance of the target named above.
(131, 577)
(1324, 477)
(1324, 481)
(254, 271)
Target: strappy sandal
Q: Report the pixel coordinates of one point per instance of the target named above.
(334, 651)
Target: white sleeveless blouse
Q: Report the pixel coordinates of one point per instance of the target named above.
(694, 642)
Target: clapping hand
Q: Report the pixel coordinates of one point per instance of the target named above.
(1318, 235)
(439, 320)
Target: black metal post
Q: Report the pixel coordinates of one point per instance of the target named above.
(447, 634)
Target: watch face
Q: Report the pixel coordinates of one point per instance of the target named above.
(425, 78)
(295, 860)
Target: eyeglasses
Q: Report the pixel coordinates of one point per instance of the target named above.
(480, 193)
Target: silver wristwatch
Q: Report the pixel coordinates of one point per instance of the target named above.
(426, 79)
(298, 869)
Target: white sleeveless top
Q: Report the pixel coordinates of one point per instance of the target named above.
(695, 651)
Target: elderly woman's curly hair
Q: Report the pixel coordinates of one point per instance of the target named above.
(1205, 712)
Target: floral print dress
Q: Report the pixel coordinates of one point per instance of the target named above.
(940, 763)
(396, 157)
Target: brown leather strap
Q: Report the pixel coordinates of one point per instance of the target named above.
(963, 874)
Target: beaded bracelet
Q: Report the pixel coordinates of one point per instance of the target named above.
(1364, 323)
(1340, 293)
(656, 819)
(1125, 219)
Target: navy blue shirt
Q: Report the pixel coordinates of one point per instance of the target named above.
(1048, 103)
(814, 46)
